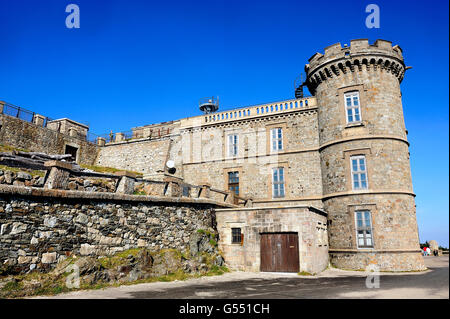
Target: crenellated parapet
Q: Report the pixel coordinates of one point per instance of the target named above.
(360, 55)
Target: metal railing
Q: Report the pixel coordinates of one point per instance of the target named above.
(40, 120)
(21, 113)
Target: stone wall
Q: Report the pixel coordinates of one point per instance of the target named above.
(307, 222)
(28, 136)
(146, 156)
(21, 178)
(38, 230)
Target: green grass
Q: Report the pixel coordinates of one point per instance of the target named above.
(53, 285)
(104, 169)
(8, 148)
(25, 170)
(12, 285)
(305, 273)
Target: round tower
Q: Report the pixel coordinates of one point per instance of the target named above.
(367, 188)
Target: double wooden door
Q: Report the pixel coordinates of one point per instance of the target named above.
(279, 252)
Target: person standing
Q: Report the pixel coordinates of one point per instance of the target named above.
(428, 251)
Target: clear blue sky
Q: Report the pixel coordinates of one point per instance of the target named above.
(139, 62)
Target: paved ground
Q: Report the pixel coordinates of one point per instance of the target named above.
(332, 283)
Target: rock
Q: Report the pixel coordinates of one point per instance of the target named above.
(87, 249)
(81, 218)
(23, 176)
(144, 259)
(18, 228)
(48, 258)
(31, 285)
(72, 186)
(40, 182)
(8, 177)
(5, 228)
(166, 263)
(219, 260)
(191, 266)
(87, 183)
(200, 242)
(32, 267)
(23, 260)
(87, 265)
(18, 183)
(50, 221)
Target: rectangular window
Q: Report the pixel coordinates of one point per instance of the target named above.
(364, 229)
(276, 139)
(278, 182)
(359, 172)
(233, 145)
(352, 107)
(233, 182)
(236, 236)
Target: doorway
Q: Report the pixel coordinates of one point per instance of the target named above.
(279, 252)
(72, 151)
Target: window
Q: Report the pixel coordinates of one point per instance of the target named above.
(363, 229)
(359, 172)
(233, 145)
(352, 108)
(276, 139)
(278, 182)
(236, 236)
(233, 182)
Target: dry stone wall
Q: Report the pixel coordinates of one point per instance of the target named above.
(36, 232)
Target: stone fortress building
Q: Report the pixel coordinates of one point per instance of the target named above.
(327, 177)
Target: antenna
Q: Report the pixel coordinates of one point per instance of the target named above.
(209, 104)
(298, 86)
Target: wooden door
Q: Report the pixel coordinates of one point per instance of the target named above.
(279, 252)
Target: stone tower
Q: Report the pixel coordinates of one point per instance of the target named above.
(367, 188)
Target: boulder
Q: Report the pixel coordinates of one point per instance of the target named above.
(23, 176)
(166, 262)
(49, 258)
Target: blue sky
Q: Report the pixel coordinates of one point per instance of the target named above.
(139, 62)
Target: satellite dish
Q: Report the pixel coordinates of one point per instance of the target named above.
(170, 164)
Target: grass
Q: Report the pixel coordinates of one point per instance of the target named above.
(52, 284)
(8, 148)
(104, 169)
(25, 170)
(305, 273)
